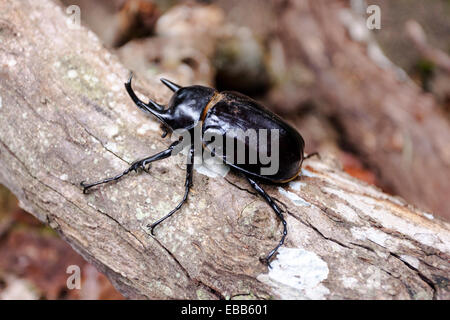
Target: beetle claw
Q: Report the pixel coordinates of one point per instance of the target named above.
(130, 78)
(266, 262)
(151, 227)
(84, 186)
(144, 168)
(134, 167)
(138, 165)
(164, 129)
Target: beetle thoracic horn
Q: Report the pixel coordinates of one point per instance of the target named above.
(172, 86)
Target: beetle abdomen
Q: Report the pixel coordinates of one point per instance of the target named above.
(248, 129)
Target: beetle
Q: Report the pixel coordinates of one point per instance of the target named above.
(220, 112)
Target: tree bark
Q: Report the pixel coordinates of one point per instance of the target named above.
(399, 130)
(65, 117)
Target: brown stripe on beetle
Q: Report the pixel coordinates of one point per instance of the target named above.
(216, 98)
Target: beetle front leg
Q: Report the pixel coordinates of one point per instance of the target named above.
(134, 167)
(279, 213)
(187, 186)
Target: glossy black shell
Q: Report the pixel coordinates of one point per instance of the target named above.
(186, 105)
(231, 110)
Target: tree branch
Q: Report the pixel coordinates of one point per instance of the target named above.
(400, 131)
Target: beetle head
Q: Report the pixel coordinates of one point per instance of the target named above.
(187, 104)
(184, 108)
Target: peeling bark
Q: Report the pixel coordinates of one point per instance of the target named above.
(65, 117)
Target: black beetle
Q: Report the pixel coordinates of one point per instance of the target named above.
(221, 112)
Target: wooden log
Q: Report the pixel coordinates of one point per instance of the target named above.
(65, 117)
(399, 130)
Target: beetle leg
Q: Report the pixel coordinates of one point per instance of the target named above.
(134, 167)
(279, 213)
(187, 185)
(164, 131)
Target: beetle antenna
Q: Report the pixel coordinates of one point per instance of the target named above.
(172, 86)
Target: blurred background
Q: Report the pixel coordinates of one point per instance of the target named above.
(350, 91)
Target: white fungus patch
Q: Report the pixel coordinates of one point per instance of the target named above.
(1, 103)
(297, 274)
(293, 197)
(72, 74)
(112, 78)
(374, 235)
(296, 185)
(11, 62)
(345, 211)
(412, 261)
(63, 177)
(429, 239)
(211, 168)
(112, 131)
(150, 125)
(141, 214)
(308, 173)
(348, 282)
(428, 215)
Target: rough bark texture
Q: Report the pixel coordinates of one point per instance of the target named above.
(400, 130)
(65, 117)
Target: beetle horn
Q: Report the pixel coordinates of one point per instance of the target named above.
(172, 86)
(152, 107)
